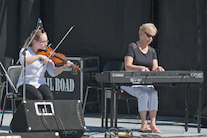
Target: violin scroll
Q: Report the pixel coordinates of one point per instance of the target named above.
(77, 68)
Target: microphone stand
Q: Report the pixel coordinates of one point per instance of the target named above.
(24, 54)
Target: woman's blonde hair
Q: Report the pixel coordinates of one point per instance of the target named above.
(37, 37)
(147, 26)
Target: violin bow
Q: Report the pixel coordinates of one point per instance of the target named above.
(62, 40)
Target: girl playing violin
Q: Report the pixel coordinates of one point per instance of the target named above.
(36, 66)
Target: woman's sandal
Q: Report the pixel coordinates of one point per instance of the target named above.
(155, 130)
(146, 129)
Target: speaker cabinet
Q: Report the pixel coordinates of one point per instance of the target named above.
(63, 116)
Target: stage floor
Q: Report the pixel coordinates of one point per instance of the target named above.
(170, 126)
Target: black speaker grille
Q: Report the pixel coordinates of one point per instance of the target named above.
(67, 118)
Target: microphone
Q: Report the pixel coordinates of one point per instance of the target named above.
(41, 25)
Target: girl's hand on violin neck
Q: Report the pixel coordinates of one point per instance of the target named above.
(59, 70)
(44, 58)
(68, 64)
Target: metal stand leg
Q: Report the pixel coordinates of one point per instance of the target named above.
(85, 99)
(102, 106)
(115, 110)
(98, 97)
(199, 109)
(127, 102)
(2, 90)
(3, 110)
(106, 111)
(186, 109)
(112, 113)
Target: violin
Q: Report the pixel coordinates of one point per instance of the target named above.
(57, 58)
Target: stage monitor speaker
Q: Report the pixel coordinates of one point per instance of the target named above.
(63, 116)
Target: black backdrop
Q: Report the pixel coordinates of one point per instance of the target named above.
(104, 28)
